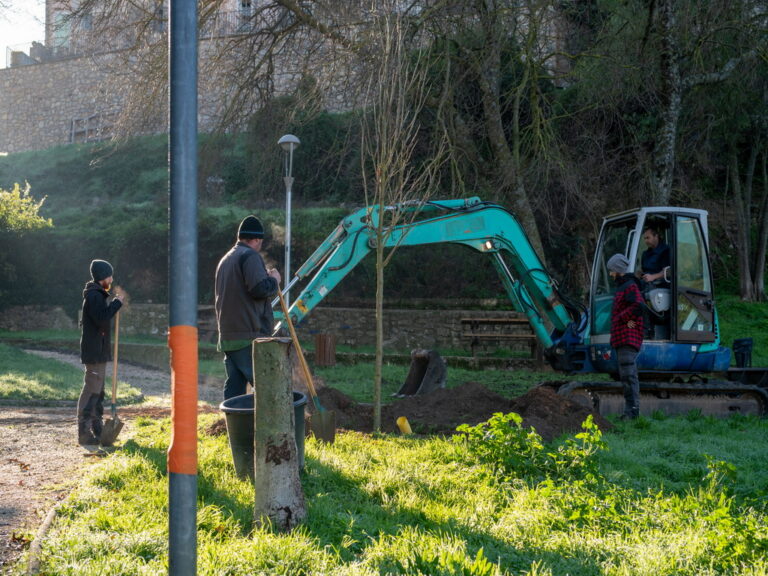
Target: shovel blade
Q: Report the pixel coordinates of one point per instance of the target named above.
(323, 425)
(109, 432)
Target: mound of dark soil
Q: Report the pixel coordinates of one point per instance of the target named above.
(553, 415)
(441, 411)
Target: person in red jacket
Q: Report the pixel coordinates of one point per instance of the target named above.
(627, 330)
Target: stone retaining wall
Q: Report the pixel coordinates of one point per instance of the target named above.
(403, 329)
(81, 99)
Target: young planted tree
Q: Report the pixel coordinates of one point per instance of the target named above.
(396, 92)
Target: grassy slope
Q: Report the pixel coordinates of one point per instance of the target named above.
(395, 505)
(26, 377)
(744, 319)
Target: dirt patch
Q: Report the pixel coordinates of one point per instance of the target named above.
(40, 463)
(443, 410)
(40, 457)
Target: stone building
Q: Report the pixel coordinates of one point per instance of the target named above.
(86, 81)
(81, 83)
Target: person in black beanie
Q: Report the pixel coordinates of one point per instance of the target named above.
(627, 328)
(95, 350)
(243, 293)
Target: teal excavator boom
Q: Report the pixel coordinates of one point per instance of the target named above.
(682, 366)
(482, 226)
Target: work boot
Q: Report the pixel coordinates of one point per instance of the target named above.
(84, 436)
(87, 439)
(96, 427)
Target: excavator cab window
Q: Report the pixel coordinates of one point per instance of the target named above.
(681, 306)
(654, 256)
(695, 310)
(616, 238)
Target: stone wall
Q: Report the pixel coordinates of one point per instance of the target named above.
(82, 98)
(39, 103)
(24, 318)
(403, 329)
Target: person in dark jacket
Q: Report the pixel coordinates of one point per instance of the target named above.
(243, 302)
(655, 259)
(95, 350)
(627, 330)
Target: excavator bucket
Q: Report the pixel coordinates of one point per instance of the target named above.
(426, 373)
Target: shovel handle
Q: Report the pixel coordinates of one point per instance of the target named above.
(302, 360)
(114, 359)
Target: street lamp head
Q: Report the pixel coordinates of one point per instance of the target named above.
(288, 142)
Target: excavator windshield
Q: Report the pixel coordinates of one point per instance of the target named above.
(616, 238)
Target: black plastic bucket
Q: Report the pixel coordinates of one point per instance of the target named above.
(742, 352)
(238, 412)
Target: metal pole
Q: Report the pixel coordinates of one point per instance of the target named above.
(182, 299)
(288, 189)
(288, 142)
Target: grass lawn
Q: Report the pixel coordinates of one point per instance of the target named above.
(28, 378)
(683, 496)
(356, 380)
(744, 320)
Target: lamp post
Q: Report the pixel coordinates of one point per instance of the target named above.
(288, 142)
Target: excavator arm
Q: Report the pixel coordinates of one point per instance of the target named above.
(561, 326)
(484, 227)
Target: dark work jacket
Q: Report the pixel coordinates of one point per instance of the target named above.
(243, 298)
(97, 313)
(654, 260)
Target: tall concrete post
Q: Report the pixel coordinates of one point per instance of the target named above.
(279, 498)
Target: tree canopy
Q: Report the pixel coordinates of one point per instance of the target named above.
(19, 211)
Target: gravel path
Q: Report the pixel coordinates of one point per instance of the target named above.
(39, 454)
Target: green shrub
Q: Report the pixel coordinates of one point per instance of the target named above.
(517, 452)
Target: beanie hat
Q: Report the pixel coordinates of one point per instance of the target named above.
(250, 227)
(100, 269)
(618, 263)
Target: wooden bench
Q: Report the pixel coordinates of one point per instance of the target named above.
(487, 330)
(207, 328)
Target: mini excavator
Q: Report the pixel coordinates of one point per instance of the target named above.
(683, 365)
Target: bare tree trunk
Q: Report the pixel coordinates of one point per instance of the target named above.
(762, 235)
(279, 499)
(507, 156)
(379, 327)
(671, 96)
(742, 231)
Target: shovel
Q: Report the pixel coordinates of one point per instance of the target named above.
(113, 425)
(323, 422)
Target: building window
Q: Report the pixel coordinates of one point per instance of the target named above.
(62, 28)
(158, 19)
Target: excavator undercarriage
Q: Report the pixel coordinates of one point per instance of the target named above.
(707, 396)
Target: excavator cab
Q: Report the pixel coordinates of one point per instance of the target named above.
(681, 319)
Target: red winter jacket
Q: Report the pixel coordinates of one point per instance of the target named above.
(627, 305)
